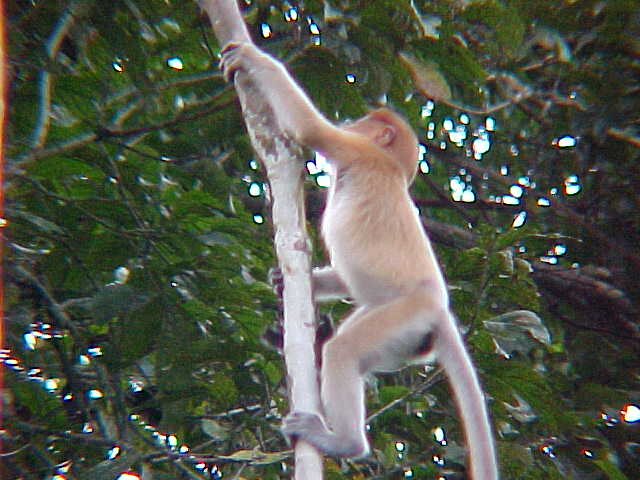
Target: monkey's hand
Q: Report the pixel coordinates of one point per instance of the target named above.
(274, 335)
(244, 56)
(276, 280)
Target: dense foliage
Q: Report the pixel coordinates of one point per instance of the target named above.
(137, 238)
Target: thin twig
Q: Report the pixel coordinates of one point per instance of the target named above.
(621, 135)
(77, 437)
(56, 311)
(434, 378)
(74, 10)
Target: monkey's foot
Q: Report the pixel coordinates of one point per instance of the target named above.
(311, 428)
(304, 425)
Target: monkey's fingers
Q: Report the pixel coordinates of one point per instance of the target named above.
(231, 60)
(229, 64)
(230, 46)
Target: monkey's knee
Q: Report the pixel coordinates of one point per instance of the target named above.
(353, 448)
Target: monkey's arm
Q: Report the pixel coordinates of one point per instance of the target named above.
(226, 20)
(327, 285)
(294, 111)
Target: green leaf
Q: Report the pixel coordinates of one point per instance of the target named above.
(114, 300)
(518, 331)
(256, 457)
(42, 224)
(610, 469)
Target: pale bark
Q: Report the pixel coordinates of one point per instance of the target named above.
(283, 161)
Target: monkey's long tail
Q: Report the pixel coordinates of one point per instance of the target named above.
(470, 400)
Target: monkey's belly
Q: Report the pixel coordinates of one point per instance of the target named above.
(386, 277)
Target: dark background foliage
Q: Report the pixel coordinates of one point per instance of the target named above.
(137, 239)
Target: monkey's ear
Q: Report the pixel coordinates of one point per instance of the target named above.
(385, 136)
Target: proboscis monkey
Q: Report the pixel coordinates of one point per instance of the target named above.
(381, 258)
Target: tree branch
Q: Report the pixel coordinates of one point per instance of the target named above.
(83, 139)
(624, 136)
(283, 161)
(45, 81)
(55, 310)
(561, 207)
(604, 307)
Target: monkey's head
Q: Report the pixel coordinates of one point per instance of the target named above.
(393, 134)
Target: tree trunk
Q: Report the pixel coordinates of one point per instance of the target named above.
(283, 161)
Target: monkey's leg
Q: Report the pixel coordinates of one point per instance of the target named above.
(379, 338)
(385, 337)
(347, 439)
